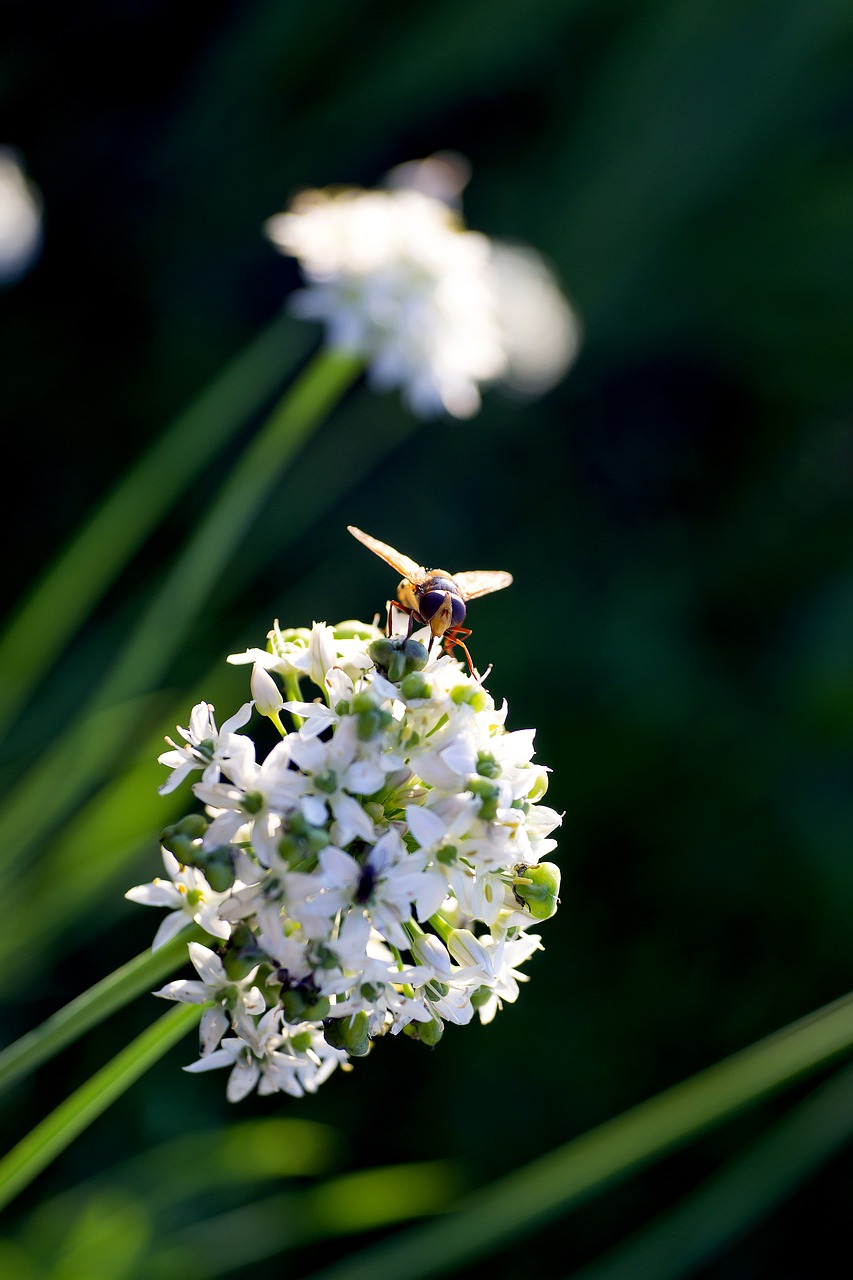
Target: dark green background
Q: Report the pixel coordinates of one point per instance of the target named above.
(676, 514)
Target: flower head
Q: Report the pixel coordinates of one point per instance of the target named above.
(375, 872)
(432, 307)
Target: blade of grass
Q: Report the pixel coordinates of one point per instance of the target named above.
(91, 1007)
(706, 1223)
(72, 585)
(49, 1138)
(513, 1206)
(354, 1202)
(41, 798)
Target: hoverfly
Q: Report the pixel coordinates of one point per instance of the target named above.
(434, 597)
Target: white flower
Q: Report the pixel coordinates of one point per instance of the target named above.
(235, 1001)
(368, 867)
(206, 746)
(432, 307)
(188, 895)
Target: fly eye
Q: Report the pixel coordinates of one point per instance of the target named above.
(431, 601)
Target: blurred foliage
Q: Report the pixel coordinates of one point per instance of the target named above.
(677, 515)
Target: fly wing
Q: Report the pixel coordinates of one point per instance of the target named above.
(481, 582)
(405, 567)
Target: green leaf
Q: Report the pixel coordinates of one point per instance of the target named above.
(49, 1138)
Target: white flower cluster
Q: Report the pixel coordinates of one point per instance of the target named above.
(375, 872)
(431, 307)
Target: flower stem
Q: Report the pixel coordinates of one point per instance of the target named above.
(67, 769)
(43, 1143)
(541, 1191)
(704, 1225)
(90, 1008)
(93, 557)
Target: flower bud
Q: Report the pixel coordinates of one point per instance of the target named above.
(537, 888)
(431, 952)
(349, 1034)
(488, 794)
(397, 657)
(469, 695)
(293, 1004)
(414, 686)
(428, 1033)
(265, 692)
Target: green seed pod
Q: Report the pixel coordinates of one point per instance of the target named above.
(183, 848)
(414, 686)
(318, 1009)
(351, 1034)
(397, 657)
(488, 794)
(537, 888)
(352, 629)
(469, 694)
(193, 825)
(293, 1004)
(487, 765)
(428, 1033)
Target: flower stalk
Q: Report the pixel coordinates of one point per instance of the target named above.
(570, 1174)
(49, 1138)
(38, 1046)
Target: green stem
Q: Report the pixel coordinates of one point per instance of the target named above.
(43, 1143)
(703, 1225)
(90, 1008)
(293, 689)
(442, 927)
(542, 1190)
(44, 794)
(71, 586)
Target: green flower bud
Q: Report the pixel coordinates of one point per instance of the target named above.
(318, 1009)
(537, 888)
(352, 629)
(488, 794)
(481, 996)
(182, 847)
(293, 1004)
(193, 825)
(540, 786)
(237, 963)
(414, 686)
(349, 1034)
(470, 695)
(218, 867)
(397, 657)
(364, 702)
(487, 765)
(428, 1033)
(369, 723)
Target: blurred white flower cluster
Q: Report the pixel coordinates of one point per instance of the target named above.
(432, 307)
(20, 218)
(375, 872)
